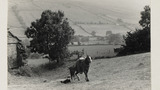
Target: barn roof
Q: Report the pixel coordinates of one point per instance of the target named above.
(13, 36)
(18, 32)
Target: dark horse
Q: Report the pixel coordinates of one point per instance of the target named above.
(81, 65)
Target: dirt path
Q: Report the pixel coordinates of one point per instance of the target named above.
(122, 73)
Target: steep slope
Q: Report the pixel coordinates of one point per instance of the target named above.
(122, 73)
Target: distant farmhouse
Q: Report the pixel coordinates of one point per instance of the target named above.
(15, 48)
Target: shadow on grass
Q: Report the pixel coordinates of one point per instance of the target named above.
(51, 65)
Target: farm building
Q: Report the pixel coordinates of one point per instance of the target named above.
(15, 50)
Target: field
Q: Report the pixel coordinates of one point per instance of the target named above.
(122, 73)
(101, 29)
(83, 15)
(96, 50)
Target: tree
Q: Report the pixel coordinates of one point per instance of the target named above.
(84, 39)
(76, 39)
(50, 35)
(139, 40)
(114, 38)
(93, 33)
(145, 18)
(108, 33)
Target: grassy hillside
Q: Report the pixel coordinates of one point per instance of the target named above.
(96, 15)
(122, 73)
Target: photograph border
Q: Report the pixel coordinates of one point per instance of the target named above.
(155, 44)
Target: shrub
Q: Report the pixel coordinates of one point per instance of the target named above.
(139, 40)
(136, 42)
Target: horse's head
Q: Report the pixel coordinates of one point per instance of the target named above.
(88, 59)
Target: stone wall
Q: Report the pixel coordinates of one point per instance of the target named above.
(12, 56)
(12, 52)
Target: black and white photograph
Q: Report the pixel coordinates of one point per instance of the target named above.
(78, 45)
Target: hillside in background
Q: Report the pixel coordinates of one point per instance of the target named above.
(122, 73)
(84, 16)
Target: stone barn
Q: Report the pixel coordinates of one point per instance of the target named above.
(15, 48)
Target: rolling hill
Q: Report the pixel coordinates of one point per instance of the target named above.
(122, 73)
(84, 16)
